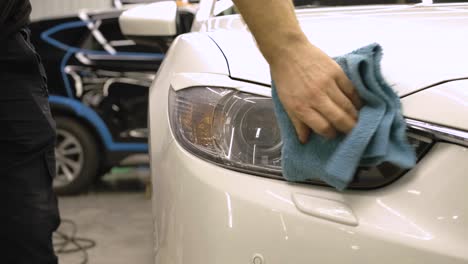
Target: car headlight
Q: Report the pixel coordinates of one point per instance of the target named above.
(239, 131)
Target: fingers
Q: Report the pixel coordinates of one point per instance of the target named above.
(337, 117)
(340, 99)
(302, 130)
(315, 121)
(347, 87)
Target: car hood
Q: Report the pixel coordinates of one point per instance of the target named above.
(422, 45)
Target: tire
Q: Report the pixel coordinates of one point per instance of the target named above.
(76, 152)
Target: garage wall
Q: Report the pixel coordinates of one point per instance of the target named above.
(53, 8)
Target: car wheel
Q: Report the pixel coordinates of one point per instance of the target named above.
(76, 155)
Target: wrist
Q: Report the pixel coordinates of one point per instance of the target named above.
(288, 45)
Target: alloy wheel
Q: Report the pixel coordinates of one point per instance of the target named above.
(69, 158)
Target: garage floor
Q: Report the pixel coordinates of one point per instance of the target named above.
(116, 215)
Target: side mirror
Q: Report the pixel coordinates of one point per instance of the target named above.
(152, 20)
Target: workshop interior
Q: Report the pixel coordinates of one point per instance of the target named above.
(175, 145)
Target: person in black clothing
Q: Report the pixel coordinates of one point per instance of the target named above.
(29, 212)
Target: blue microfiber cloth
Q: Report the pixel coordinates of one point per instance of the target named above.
(379, 135)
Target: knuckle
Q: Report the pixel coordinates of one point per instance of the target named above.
(348, 91)
(298, 108)
(328, 83)
(341, 118)
(354, 94)
(324, 82)
(349, 107)
(336, 71)
(320, 95)
(337, 74)
(356, 97)
(321, 101)
(323, 128)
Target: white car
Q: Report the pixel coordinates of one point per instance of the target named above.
(219, 196)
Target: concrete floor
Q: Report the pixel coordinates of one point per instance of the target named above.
(117, 216)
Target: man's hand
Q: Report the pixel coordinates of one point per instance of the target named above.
(312, 87)
(315, 92)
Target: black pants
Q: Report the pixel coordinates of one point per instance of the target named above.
(28, 207)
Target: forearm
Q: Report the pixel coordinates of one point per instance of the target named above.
(274, 26)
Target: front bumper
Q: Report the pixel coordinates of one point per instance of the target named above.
(210, 215)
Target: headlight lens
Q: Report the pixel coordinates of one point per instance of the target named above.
(245, 131)
(239, 131)
(231, 128)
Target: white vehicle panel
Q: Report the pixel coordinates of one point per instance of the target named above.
(207, 214)
(445, 104)
(422, 45)
(189, 53)
(185, 80)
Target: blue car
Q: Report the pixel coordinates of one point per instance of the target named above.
(98, 83)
